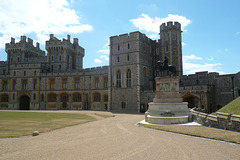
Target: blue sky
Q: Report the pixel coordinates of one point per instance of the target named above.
(211, 28)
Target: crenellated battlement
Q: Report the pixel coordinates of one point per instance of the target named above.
(25, 44)
(170, 25)
(130, 37)
(54, 43)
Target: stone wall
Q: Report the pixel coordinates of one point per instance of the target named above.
(221, 120)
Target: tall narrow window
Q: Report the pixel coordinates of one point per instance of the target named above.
(35, 72)
(60, 58)
(13, 84)
(4, 84)
(128, 46)
(24, 73)
(42, 98)
(60, 67)
(64, 83)
(14, 73)
(34, 84)
(128, 78)
(51, 68)
(105, 98)
(52, 58)
(118, 59)
(52, 83)
(77, 83)
(96, 82)
(13, 96)
(24, 84)
(105, 82)
(128, 58)
(18, 59)
(118, 79)
(34, 96)
(118, 48)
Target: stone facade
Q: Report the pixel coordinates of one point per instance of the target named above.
(29, 79)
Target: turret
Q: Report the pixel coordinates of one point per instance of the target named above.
(171, 44)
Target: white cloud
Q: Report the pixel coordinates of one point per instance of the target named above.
(192, 64)
(97, 61)
(40, 17)
(150, 24)
(105, 57)
(191, 57)
(210, 59)
(191, 68)
(184, 44)
(105, 51)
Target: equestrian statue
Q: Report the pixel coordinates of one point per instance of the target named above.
(169, 69)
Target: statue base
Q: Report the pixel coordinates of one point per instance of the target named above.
(167, 106)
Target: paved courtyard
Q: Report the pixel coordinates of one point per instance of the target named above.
(114, 138)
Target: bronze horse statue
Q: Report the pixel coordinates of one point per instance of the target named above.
(161, 67)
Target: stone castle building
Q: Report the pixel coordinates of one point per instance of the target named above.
(29, 79)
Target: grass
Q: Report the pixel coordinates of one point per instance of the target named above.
(232, 107)
(199, 131)
(15, 124)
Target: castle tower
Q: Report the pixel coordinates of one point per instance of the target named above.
(170, 45)
(63, 55)
(130, 70)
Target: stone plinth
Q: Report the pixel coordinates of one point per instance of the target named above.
(167, 90)
(167, 100)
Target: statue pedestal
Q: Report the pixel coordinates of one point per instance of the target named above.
(167, 106)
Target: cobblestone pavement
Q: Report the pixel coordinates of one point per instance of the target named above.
(114, 138)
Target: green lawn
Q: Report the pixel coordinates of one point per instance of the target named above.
(15, 124)
(199, 131)
(232, 107)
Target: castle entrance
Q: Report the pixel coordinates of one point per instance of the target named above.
(191, 99)
(24, 103)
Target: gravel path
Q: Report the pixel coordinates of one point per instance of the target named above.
(114, 138)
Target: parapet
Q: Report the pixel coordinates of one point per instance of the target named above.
(170, 25)
(24, 46)
(54, 42)
(130, 37)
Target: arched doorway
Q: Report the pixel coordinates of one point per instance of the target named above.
(24, 102)
(191, 99)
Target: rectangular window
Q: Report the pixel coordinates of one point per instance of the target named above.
(105, 82)
(52, 83)
(13, 84)
(4, 84)
(24, 84)
(13, 97)
(77, 83)
(96, 82)
(34, 96)
(64, 83)
(34, 84)
(106, 98)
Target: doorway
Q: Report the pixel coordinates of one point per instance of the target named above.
(24, 102)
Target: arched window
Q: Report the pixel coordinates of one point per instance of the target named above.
(118, 79)
(128, 58)
(128, 78)
(118, 59)
(52, 97)
(60, 57)
(77, 97)
(96, 97)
